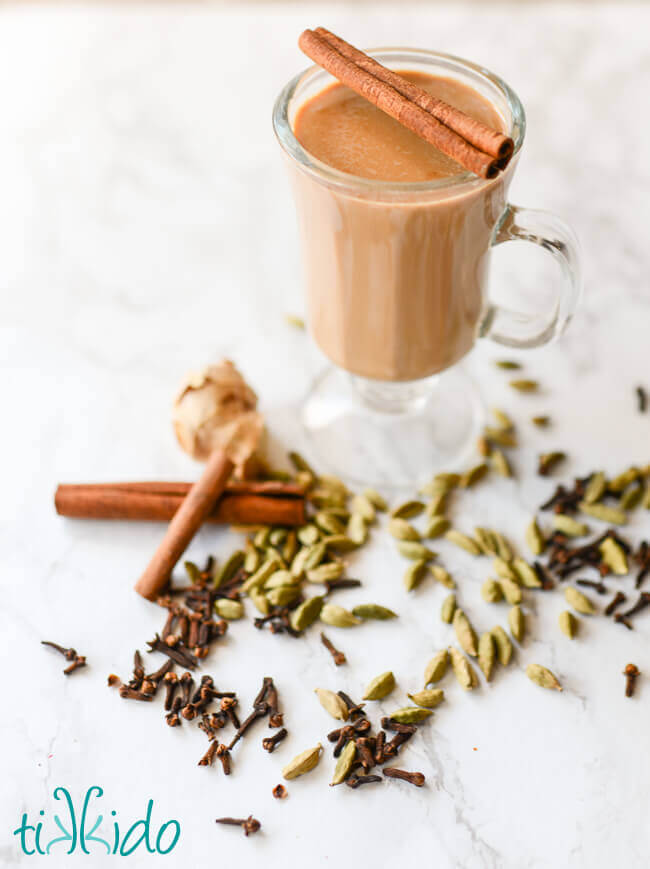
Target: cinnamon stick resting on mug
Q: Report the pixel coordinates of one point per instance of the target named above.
(242, 503)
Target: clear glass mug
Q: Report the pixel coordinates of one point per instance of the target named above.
(396, 278)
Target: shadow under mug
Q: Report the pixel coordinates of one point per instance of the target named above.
(396, 277)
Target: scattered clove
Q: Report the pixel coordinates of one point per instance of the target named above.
(631, 673)
(414, 778)
(249, 825)
(76, 661)
(279, 792)
(269, 743)
(338, 656)
(355, 781)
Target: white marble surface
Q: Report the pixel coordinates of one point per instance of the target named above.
(146, 227)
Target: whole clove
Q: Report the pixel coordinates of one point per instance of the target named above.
(177, 652)
(338, 656)
(642, 399)
(354, 709)
(642, 602)
(134, 694)
(598, 587)
(269, 743)
(279, 792)
(173, 718)
(223, 753)
(249, 825)
(76, 661)
(615, 602)
(631, 673)
(355, 781)
(209, 756)
(171, 684)
(365, 752)
(414, 778)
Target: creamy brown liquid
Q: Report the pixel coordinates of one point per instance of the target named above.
(396, 281)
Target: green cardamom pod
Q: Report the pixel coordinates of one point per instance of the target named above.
(541, 421)
(193, 572)
(535, 538)
(410, 715)
(613, 555)
(504, 550)
(463, 670)
(302, 763)
(486, 540)
(377, 500)
(253, 558)
(448, 608)
(436, 526)
(429, 697)
(306, 613)
(338, 617)
(436, 668)
(408, 510)
(364, 507)
(257, 579)
(500, 436)
(507, 364)
(465, 633)
(491, 591)
(502, 418)
(542, 677)
(283, 595)
(486, 654)
(611, 515)
(579, 601)
(568, 624)
(230, 568)
(229, 609)
(280, 578)
(277, 536)
(442, 576)
(595, 488)
(400, 529)
(527, 574)
(415, 551)
(631, 497)
(339, 543)
(261, 538)
(623, 480)
(473, 475)
(259, 601)
(463, 541)
(298, 564)
(503, 645)
(357, 529)
(511, 591)
(436, 506)
(332, 703)
(549, 461)
(373, 611)
(315, 554)
(325, 572)
(328, 522)
(501, 464)
(414, 574)
(504, 570)
(344, 763)
(308, 534)
(517, 623)
(380, 686)
(525, 385)
(569, 526)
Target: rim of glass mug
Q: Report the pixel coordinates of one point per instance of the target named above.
(311, 81)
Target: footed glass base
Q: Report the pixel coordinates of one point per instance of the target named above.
(392, 435)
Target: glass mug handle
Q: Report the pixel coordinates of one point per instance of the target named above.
(512, 328)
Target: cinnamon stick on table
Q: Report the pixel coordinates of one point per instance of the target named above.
(469, 142)
(242, 503)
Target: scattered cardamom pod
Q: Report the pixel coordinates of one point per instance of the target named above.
(501, 464)
(436, 506)
(325, 572)
(293, 320)
(302, 763)
(229, 609)
(280, 578)
(517, 623)
(230, 568)
(491, 591)
(429, 697)
(483, 447)
(344, 763)
(380, 687)
(329, 522)
(282, 596)
(377, 500)
(502, 437)
(463, 670)
(486, 540)
(541, 421)
(362, 505)
(400, 529)
(511, 591)
(595, 488)
(408, 510)
(503, 645)
(414, 551)
(414, 574)
(278, 536)
(436, 668)
(504, 570)
(502, 418)
(486, 654)
(410, 715)
(373, 611)
(613, 555)
(631, 497)
(465, 633)
(525, 385)
(535, 538)
(339, 542)
(507, 364)
(542, 677)
(332, 703)
(504, 550)
(579, 601)
(290, 547)
(259, 601)
(464, 541)
(338, 616)
(264, 572)
(252, 560)
(448, 608)
(306, 613)
(308, 534)
(442, 576)
(473, 475)
(547, 462)
(622, 481)
(437, 527)
(568, 624)
(526, 574)
(569, 526)
(261, 538)
(357, 530)
(611, 515)
(315, 554)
